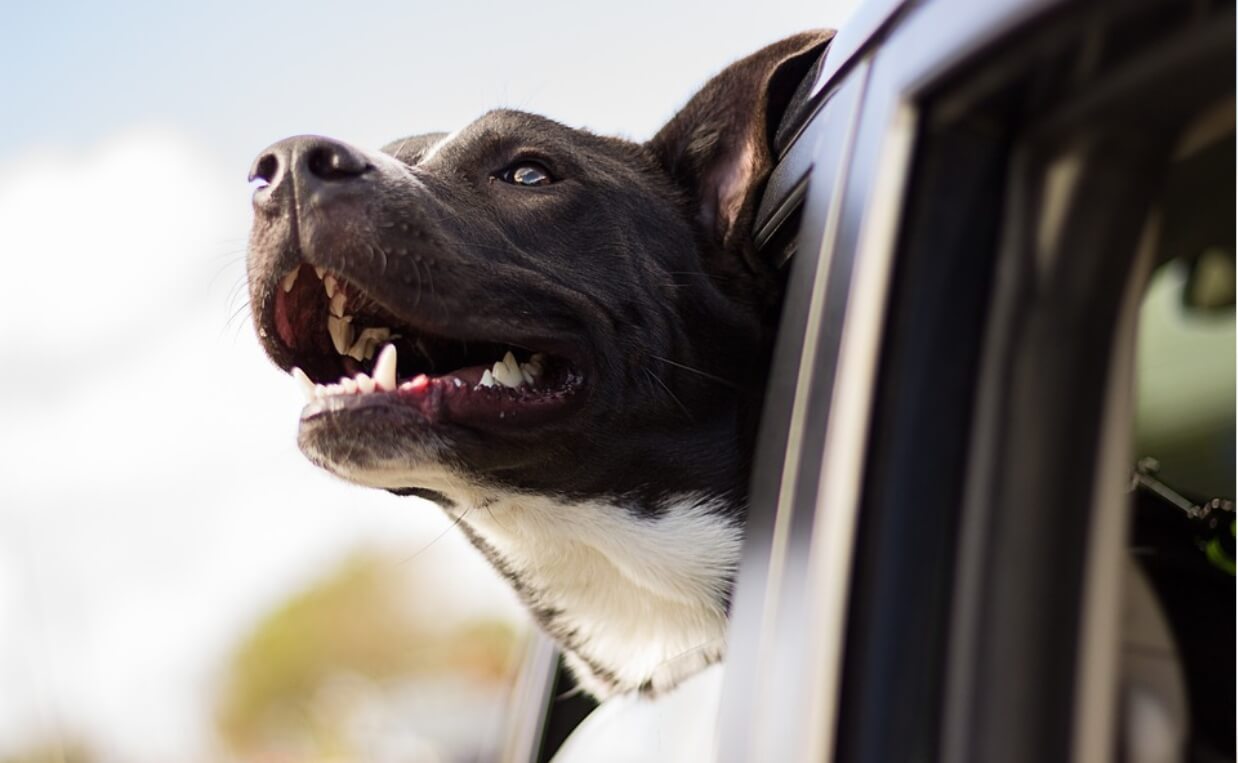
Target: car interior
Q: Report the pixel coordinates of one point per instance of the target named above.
(1178, 620)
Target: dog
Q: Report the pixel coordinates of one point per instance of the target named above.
(560, 338)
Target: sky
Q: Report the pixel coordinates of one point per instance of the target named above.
(152, 501)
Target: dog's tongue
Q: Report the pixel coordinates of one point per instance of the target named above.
(297, 312)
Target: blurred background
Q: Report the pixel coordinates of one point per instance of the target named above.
(176, 582)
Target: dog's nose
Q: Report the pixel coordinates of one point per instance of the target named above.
(308, 162)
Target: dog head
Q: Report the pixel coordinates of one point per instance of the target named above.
(524, 305)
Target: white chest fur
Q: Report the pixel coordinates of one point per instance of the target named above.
(638, 601)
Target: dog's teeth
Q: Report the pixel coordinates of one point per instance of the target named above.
(287, 282)
(348, 385)
(330, 284)
(504, 375)
(307, 385)
(341, 331)
(384, 368)
(499, 373)
(364, 383)
(338, 302)
(487, 379)
(320, 272)
(514, 372)
(527, 373)
(367, 343)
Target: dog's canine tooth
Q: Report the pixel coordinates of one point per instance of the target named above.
(338, 302)
(287, 282)
(320, 272)
(330, 284)
(364, 383)
(513, 367)
(384, 368)
(487, 379)
(307, 385)
(341, 331)
(503, 375)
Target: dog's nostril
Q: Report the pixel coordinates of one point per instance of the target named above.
(335, 161)
(264, 169)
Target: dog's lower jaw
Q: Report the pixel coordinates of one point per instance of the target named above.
(637, 599)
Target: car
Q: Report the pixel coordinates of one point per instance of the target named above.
(992, 504)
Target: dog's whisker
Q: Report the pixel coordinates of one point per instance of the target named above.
(702, 274)
(417, 274)
(383, 253)
(697, 371)
(430, 278)
(231, 255)
(662, 384)
(237, 290)
(710, 644)
(234, 323)
(225, 267)
(454, 524)
(243, 308)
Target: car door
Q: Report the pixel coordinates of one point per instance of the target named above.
(943, 573)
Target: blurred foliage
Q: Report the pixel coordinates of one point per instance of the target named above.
(355, 627)
(52, 752)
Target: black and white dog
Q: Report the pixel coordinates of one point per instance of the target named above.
(561, 338)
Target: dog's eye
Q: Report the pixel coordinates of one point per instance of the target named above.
(526, 173)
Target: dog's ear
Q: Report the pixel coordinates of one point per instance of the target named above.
(718, 148)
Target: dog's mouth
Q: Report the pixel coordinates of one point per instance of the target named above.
(348, 352)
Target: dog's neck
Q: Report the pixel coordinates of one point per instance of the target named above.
(637, 599)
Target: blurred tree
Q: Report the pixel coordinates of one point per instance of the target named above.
(296, 683)
(52, 751)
